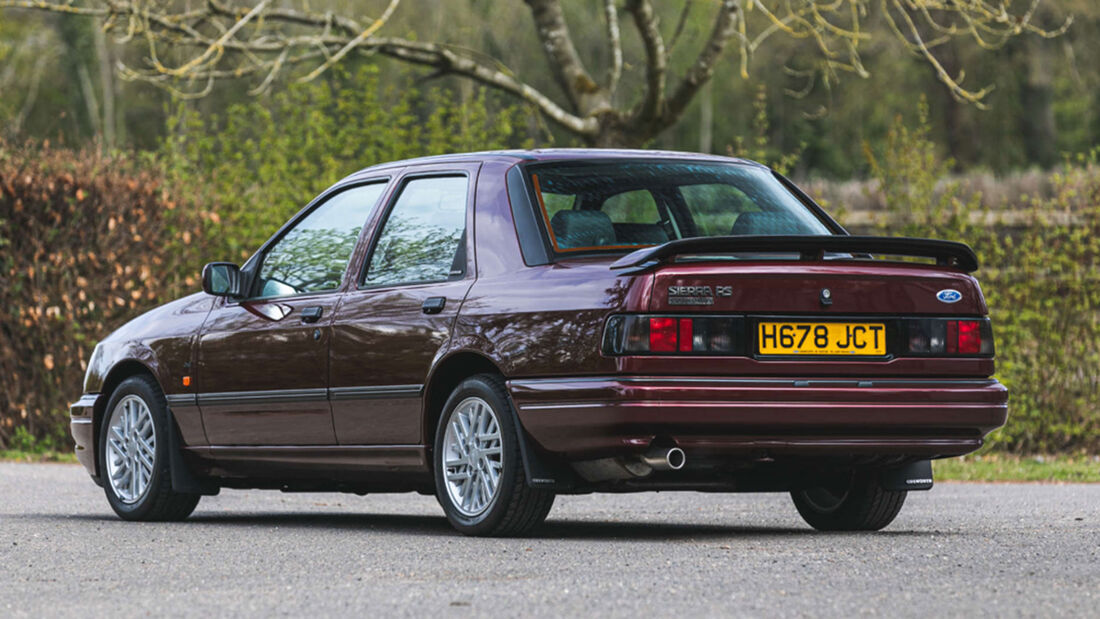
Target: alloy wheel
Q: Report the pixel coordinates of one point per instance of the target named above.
(131, 449)
(472, 457)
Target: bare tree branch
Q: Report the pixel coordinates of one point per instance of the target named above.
(656, 58)
(446, 60)
(725, 24)
(684, 12)
(615, 44)
(583, 93)
(191, 47)
(362, 36)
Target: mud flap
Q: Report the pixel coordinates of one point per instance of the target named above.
(913, 476)
(541, 471)
(183, 480)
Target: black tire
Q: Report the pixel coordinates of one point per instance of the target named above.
(515, 508)
(855, 502)
(158, 502)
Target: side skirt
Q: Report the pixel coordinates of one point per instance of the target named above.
(382, 467)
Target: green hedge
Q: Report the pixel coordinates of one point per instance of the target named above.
(1040, 278)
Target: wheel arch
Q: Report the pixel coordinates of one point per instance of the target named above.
(540, 470)
(447, 374)
(119, 372)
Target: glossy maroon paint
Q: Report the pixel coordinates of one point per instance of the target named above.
(361, 389)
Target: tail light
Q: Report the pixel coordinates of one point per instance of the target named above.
(664, 335)
(949, 337)
(641, 334)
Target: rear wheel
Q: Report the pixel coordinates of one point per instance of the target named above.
(133, 455)
(853, 502)
(479, 476)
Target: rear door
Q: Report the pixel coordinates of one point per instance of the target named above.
(398, 318)
(263, 361)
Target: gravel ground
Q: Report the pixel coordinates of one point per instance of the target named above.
(960, 549)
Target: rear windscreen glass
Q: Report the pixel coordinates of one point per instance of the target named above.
(625, 205)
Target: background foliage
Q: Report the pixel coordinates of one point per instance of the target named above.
(112, 196)
(84, 245)
(1039, 274)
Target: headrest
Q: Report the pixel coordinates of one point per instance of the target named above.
(766, 223)
(582, 229)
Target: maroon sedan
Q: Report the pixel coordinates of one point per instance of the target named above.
(498, 328)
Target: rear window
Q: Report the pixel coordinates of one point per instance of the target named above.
(626, 205)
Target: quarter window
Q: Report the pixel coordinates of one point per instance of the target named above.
(314, 254)
(424, 235)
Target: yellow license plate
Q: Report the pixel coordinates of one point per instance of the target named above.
(821, 338)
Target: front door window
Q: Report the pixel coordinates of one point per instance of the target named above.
(314, 254)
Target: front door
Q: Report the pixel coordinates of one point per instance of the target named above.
(263, 361)
(398, 319)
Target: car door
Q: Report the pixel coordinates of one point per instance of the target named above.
(263, 360)
(398, 318)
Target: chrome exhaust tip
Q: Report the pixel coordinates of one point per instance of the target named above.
(665, 458)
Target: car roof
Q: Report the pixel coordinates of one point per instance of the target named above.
(547, 154)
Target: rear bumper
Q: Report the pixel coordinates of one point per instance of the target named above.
(82, 416)
(594, 417)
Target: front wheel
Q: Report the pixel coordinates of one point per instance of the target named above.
(479, 475)
(134, 458)
(852, 502)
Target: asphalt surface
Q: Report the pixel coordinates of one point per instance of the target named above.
(1019, 550)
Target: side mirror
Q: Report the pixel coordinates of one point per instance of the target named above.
(221, 279)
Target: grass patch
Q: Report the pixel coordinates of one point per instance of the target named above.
(19, 455)
(999, 467)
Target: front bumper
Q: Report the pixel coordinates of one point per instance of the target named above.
(82, 416)
(595, 417)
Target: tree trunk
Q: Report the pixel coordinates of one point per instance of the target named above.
(617, 133)
(706, 119)
(1037, 104)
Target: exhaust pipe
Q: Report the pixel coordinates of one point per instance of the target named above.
(609, 469)
(665, 458)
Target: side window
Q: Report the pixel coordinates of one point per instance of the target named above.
(423, 238)
(632, 207)
(314, 254)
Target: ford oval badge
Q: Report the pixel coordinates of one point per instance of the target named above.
(949, 295)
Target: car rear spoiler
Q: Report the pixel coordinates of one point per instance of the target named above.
(946, 253)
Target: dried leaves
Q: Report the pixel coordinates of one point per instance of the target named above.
(86, 242)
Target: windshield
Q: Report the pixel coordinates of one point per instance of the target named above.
(626, 205)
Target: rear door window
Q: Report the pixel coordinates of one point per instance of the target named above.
(423, 238)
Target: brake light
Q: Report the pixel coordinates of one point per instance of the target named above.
(948, 337)
(662, 334)
(683, 335)
(970, 337)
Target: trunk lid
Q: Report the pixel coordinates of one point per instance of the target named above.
(772, 287)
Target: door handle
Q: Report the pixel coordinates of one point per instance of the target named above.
(433, 305)
(312, 314)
